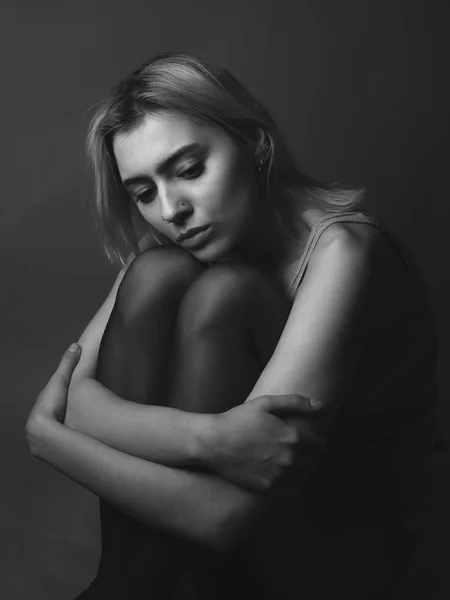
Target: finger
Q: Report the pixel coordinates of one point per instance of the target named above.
(288, 403)
(305, 424)
(67, 364)
(308, 433)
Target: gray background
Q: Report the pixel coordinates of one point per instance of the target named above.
(360, 89)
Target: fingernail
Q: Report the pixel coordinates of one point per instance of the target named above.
(74, 347)
(314, 403)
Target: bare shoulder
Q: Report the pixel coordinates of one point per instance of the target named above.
(370, 260)
(359, 241)
(358, 236)
(353, 246)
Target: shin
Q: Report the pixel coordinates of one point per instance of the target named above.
(132, 359)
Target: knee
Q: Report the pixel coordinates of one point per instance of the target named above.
(222, 296)
(158, 275)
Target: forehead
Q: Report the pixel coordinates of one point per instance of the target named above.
(158, 136)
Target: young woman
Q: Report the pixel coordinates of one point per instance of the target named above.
(250, 289)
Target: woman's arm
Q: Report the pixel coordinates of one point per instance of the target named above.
(248, 442)
(158, 433)
(162, 434)
(338, 307)
(193, 505)
(199, 506)
(317, 354)
(174, 437)
(333, 312)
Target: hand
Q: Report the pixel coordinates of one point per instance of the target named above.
(52, 400)
(258, 450)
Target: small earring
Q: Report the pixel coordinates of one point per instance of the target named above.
(262, 160)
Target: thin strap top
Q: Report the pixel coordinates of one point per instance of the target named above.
(399, 425)
(316, 231)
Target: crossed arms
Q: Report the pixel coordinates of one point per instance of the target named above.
(199, 476)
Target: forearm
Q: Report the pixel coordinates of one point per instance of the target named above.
(157, 433)
(195, 505)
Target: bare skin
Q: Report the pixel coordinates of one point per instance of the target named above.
(339, 309)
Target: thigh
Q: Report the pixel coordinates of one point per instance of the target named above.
(157, 278)
(135, 346)
(132, 360)
(235, 296)
(229, 323)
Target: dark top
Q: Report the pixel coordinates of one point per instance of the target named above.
(354, 526)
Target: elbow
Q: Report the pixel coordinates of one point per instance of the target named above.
(232, 524)
(217, 537)
(30, 442)
(220, 538)
(226, 540)
(32, 435)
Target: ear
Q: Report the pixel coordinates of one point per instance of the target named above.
(263, 148)
(261, 143)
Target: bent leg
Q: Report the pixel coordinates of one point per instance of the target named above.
(136, 344)
(229, 323)
(132, 358)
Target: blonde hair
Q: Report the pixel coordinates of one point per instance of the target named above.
(204, 92)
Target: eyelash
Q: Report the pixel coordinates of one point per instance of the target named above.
(198, 168)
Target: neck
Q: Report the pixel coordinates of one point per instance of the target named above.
(263, 242)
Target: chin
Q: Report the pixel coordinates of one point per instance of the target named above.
(212, 253)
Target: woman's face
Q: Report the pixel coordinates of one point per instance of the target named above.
(184, 176)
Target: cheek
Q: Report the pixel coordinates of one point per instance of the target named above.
(236, 190)
(152, 216)
(240, 196)
(144, 212)
(147, 212)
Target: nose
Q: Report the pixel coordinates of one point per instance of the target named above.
(173, 207)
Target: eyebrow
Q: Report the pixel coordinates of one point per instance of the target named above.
(164, 165)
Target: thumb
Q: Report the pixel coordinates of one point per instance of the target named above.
(291, 403)
(67, 364)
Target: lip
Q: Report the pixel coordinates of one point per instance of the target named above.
(194, 236)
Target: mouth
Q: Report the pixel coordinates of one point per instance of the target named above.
(194, 236)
